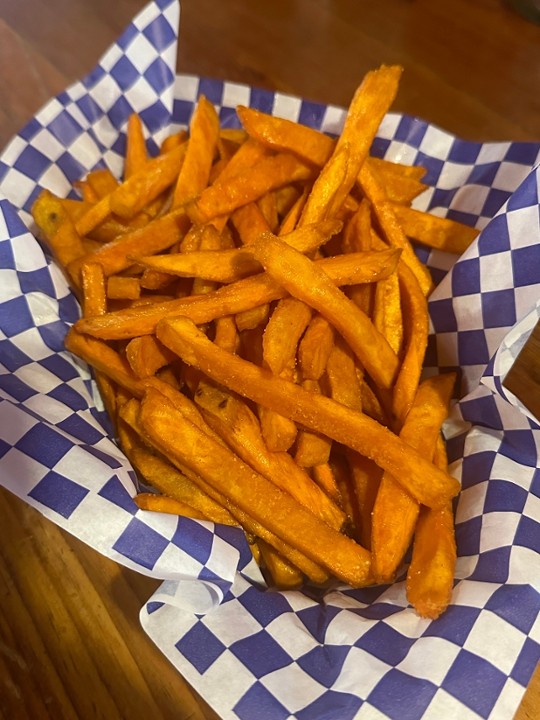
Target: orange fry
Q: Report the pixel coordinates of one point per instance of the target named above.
(418, 476)
(252, 493)
(234, 298)
(304, 280)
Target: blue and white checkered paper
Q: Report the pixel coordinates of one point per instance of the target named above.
(251, 651)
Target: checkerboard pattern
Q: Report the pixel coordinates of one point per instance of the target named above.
(249, 651)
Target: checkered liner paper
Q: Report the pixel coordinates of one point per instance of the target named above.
(252, 652)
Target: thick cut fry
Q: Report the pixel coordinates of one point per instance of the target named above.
(146, 355)
(312, 449)
(344, 377)
(391, 228)
(234, 298)
(249, 223)
(365, 480)
(229, 194)
(57, 228)
(436, 232)
(395, 512)
(238, 426)
(157, 236)
(311, 569)
(123, 288)
(279, 432)
(165, 504)
(315, 348)
(283, 575)
(416, 328)
(200, 150)
(266, 503)
(171, 482)
(387, 314)
(430, 576)
(93, 288)
(419, 477)
(230, 265)
(282, 333)
(147, 184)
(304, 280)
(136, 152)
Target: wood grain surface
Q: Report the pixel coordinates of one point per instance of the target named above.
(70, 641)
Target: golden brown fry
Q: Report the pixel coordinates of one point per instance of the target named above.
(123, 288)
(391, 228)
(436, 232)
(283, 574)
(136, 153)
(227, 195)
(172, 482)
(146, 355)
(141, 188)
(430, 576)
(234, 264)
(238, 426)
(157, 236)
(395, 512)
(315, 348)
(200, 150)
(419, 477)
(305, 280)
(252, 493)
(234, 298)
(282, 333)
(57, 228)
(166, 504)
(93, 289)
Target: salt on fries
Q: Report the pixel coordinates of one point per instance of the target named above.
(256, 318)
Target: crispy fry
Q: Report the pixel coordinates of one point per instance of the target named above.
(200, 150)
(418, 476)
(232, 419)
(303, 279)
(234, 298)
(166, 504)
(315, 348)
(436, 232)
(136, 153)
(252, 493)
(234, 192)
(395, 512)
(430, 576)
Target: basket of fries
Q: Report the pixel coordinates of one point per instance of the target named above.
(274, 335)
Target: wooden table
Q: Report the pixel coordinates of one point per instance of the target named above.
(70, 641)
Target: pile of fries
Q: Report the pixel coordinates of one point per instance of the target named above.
(256, 318)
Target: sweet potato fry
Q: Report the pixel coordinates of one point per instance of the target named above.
(144, 186)
(315, 348)
(200, 151)
(430, 576)
(226, 196)
(395, 512)
(154, 237)
(166, 504)
(136, 152)
(252, 493)
(238, 426)
(234, 298)
(283, 575)
(304, 280)
(436, 232)
(419, 477)
(146, 355)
